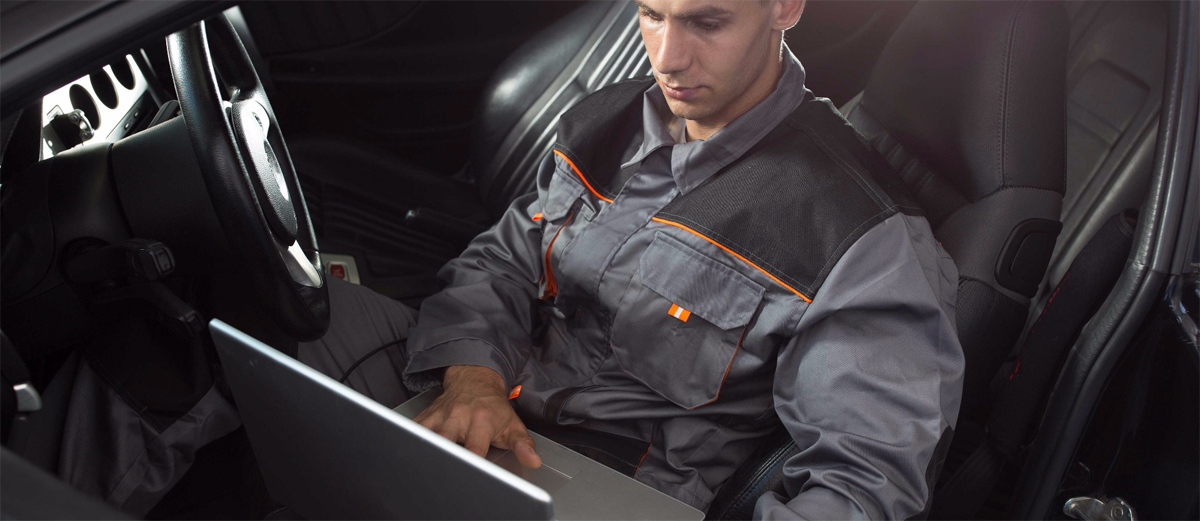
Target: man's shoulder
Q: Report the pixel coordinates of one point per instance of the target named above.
(850, 154)
(592, 133)
(615, 102)
(800, 197)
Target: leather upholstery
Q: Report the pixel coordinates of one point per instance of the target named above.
(967, 87)
(966, 103)
(522, 79)
(595, 46)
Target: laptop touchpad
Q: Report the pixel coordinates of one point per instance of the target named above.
(545, 477)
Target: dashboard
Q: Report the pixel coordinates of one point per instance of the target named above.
(104, 106)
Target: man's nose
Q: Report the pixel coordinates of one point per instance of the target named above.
(673, 53)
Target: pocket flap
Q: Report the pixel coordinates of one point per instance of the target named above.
(707, 288)
(560, 196)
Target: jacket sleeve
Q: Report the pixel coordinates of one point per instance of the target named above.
(869, 386)
(484, 314)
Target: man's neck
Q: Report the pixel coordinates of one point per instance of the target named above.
(704, 129)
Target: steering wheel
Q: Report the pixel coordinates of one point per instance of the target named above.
(249, 175)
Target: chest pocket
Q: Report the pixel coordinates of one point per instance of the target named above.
(681, 322)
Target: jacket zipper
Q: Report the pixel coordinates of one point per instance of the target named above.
(551, 285)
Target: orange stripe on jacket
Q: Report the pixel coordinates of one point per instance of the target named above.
(580, 174)
(731, 252)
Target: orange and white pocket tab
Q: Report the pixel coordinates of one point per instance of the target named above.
(678, 312)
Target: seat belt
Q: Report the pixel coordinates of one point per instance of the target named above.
(1022, 399)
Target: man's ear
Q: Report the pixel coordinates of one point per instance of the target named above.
(787, 13)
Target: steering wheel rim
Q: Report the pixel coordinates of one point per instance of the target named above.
(249, 175)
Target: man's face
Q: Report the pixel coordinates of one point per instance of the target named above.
(708, 55)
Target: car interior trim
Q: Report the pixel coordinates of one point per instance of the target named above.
(1104, 339)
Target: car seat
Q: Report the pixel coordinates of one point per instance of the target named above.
(966, 102)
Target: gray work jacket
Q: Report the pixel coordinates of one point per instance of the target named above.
(798, 284)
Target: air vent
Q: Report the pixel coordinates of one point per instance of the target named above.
(123, 73)
(102, 85)
(82, 100)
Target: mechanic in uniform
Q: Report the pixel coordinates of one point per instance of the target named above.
(710, 252)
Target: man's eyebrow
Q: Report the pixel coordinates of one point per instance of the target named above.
(708, 11)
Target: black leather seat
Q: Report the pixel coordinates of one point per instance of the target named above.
(966, 103)
(596, 45)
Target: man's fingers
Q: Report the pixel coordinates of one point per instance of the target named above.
(434, 414)
(432, 423)
(479, 439)
(453, 429)
(429, 420)
(523, 447)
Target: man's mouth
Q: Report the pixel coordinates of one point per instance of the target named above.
(680, 93)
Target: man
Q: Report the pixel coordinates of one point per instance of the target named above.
(709, 253)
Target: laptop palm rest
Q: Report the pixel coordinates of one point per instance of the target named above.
(580, 487)
(556, 470)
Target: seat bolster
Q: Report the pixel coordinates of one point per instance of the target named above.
(525, 75)
(976, 249)
(594, 46)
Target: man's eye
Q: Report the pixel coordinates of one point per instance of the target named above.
(707, 26)
(650, 15)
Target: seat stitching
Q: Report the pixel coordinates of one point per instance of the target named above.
(1004, 92)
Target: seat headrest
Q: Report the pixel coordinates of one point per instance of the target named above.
(977, 91)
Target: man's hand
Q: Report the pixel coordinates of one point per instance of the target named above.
(473, 410)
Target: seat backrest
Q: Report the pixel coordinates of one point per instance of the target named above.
(594, 46)
(967, 103)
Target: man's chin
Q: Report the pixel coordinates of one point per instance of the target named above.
(688, 109)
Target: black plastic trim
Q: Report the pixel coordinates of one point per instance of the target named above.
(1018, 248)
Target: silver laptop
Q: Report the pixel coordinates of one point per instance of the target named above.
(329, 452)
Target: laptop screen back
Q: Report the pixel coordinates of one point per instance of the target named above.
(329, 452)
